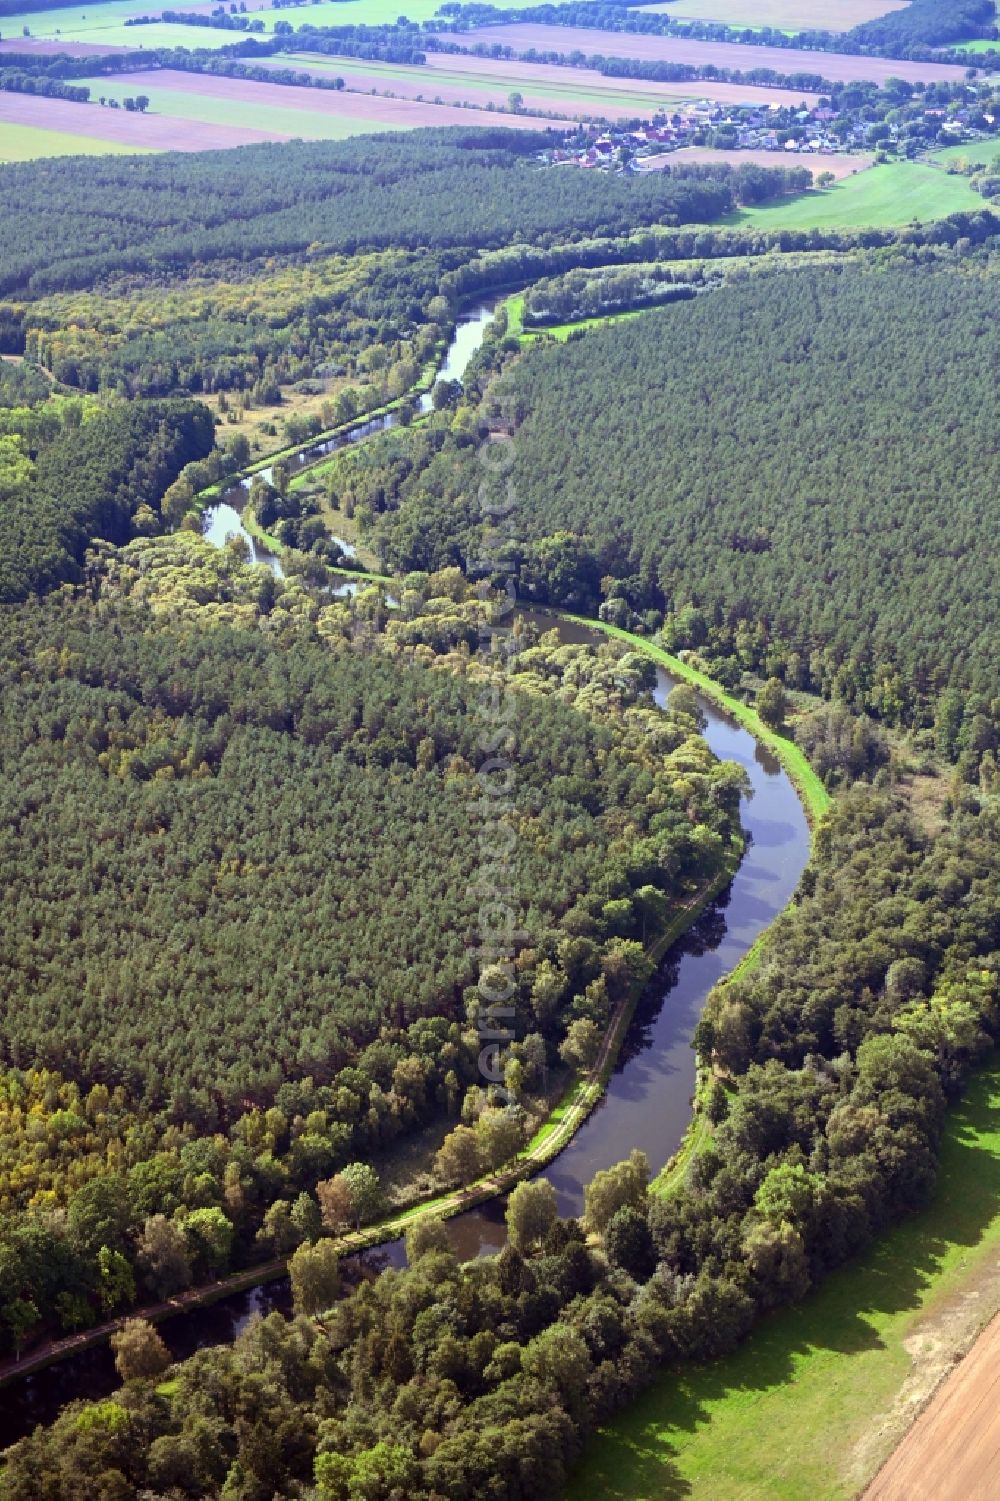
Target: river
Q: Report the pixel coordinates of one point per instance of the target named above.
(224, 519)
(647, 1103)
(648, 1100)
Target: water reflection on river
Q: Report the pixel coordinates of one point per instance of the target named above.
(647, 1103)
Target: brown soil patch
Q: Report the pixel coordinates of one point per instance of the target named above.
(832, 65)
(952, 1451)
(154, 132)
(841, 164)
(30, 44)
(786, 15)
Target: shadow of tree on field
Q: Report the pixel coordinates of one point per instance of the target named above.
(636, 1457)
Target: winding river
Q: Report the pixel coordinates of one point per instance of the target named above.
(648, 1101)
(225, 518)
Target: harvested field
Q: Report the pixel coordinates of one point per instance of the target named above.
(282, 111)
(782, 15)
(952, 1452)
(841, 164)
(544, 87)
(35, 46)
(832, 65)
(141, 132)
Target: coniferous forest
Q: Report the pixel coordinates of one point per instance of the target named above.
(244, 987)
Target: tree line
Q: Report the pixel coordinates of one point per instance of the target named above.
(89, 476)
(919, 30)
(831, 1070)
(239, 942)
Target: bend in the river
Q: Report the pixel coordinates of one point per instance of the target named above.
(648, 1097)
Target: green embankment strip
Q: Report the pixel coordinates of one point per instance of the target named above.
(814, 1400)
(814, 795)
(514, 307)
(815, 800)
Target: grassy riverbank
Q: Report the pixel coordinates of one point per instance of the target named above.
(848, 1366)
(815, 798)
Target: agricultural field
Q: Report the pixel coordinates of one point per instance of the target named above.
(102, 131)
(781, 15)
(832, 65)
(845, 1368)
(841, 164)
(544, 87)
(891, 194)
(987, 152)
(191, 111)
(26, 143)
(982, 45)
(104, 23)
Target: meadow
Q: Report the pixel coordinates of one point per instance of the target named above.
(891, 194)
(26, 143)
(838, 1368)
(780, 15)
(986, 152)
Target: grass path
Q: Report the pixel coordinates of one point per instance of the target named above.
(812, 1403)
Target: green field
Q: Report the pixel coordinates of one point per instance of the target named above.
(780, 1420)
(987, 152)
(894, 193)
(981, 46)
(104, 22)
(26, 143)
(243, 113)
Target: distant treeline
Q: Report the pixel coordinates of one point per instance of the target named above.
(17, 80)
(915, 32)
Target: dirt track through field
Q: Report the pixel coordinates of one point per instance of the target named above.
(952, 1452)
(832, 65)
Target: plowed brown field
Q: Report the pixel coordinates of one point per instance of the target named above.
(952, 1452)
(832, 65)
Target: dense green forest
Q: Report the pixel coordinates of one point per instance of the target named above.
(224, 913)
(834, 1064)
(67, 474)
(798, 470)
(927, 23)
(434, 188)
(238, 966)
(248, 328)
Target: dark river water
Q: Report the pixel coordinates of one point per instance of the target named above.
(648, 1101)
(224, 519)
(647, 1104)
